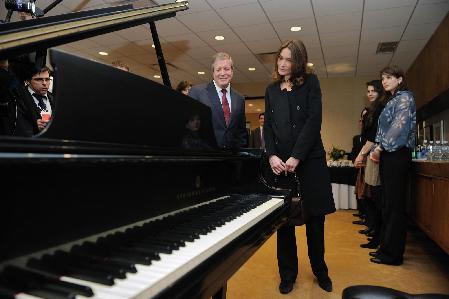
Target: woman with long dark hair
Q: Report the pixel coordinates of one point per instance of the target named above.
(368, 170)
(293, 144)
(395, 140)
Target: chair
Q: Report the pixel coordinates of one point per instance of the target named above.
(376, 292)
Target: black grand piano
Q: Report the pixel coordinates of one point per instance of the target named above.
(117, 198)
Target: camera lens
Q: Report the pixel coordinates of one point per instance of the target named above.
(21, 5)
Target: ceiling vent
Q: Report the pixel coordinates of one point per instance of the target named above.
(267, 58)
(386, 47)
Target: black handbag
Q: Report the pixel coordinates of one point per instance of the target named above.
(296, 212)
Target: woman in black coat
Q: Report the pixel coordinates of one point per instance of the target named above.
(293, 144)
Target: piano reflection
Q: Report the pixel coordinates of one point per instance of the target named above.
(108, 202)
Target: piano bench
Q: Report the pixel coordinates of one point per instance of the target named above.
(376, 292)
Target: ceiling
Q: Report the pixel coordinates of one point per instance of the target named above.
(341, 36)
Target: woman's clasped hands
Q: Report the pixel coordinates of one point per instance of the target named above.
(278, 166)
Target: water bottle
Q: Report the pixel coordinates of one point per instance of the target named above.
(437, 151)
(418, 152)
(429, 152)
(445, 151)
(424, 150)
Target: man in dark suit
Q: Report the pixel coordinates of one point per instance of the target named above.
(256, 139)
(35, 104)
(228, 107)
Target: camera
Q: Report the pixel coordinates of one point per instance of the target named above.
(21, 5)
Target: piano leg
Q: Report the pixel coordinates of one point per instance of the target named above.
(221, 294)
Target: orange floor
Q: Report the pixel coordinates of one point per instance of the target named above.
(425, 268)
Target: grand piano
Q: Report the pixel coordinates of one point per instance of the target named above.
(117, 198)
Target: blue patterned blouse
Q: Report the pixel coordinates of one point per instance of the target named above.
(397, 122)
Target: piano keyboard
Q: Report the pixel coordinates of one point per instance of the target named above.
(142, 261)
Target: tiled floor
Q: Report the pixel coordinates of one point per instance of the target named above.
(425, 268)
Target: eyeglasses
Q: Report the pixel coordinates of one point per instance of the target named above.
(42, 79)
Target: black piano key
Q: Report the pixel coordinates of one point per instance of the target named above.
(48, 265)
(156, 247)
(49, 293)
(153, 254)
(202, 230)
(90, 275)
(42, 278)
(186, 237)
(132, 256)
(89, 264)
(107, 259)
(173, 245)
(7, 293)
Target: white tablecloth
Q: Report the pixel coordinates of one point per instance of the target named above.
(344, 196)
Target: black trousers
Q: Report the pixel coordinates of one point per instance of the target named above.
(287, 251)
(394, 170)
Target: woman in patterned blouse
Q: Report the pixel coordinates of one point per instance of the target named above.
(394, 140)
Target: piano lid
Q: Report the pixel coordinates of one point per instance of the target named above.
(98, 103)
(29, 36)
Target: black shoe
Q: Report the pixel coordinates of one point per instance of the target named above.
(357, 215)
(371, 245)
(325, 283)
(373, 253)
(371, 233)
(286, 286)
(366, 231)
(383, 259)
(360, 222)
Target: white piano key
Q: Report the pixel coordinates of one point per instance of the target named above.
(210, 243)
(152, 279)
(25, 296)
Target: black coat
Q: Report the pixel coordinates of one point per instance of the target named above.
(28, 113)
(292, 129)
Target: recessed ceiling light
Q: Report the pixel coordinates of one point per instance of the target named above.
(179, 0)
(157, 76)
(201, 73)
(340, 68)
(250, 105)
(309, 64)
(103, 53)
(153, 46)
(219, 37)
(258, 109)
(295, 28)
(251, 69)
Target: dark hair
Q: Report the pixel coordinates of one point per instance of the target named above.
(396, 71)
(183, 85)
(261, 114)
(377, 103)
(35, 70)
(299, 61)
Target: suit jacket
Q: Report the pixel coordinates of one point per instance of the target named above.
(28, 113)
(234, 136)
(255, 140)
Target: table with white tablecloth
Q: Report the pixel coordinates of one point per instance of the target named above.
(343, 181)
